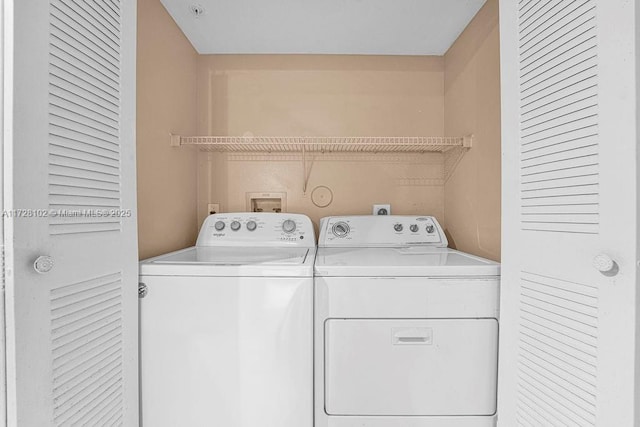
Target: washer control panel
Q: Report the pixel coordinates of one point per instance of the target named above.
(381, 231)
(258, 229)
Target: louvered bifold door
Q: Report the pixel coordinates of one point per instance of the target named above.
(569, 300)
(70, 222)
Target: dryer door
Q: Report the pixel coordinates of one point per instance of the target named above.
(382, 367)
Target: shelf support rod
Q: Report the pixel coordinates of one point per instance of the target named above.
(454, 156)
(304, 170)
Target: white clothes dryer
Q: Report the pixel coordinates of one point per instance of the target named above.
(226, 327)
(406, 329)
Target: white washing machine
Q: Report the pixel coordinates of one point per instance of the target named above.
(406, 330)
(226, 326)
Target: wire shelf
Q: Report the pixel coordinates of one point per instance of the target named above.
(452, 147)
(267, 144)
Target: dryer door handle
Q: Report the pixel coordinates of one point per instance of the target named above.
(412, 336)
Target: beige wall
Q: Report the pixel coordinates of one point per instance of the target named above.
(472, 106)
(323, 95)
(317, 95)
(166, 96)
(320, 95)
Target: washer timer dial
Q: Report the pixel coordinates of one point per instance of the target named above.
(340, 229)
(289, 226)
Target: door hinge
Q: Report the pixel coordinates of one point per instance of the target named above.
(2, 267)
(142, 290)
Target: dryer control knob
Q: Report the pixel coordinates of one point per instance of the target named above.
(219, 225)
(251, 225)
(398, 227)
(340, 229)
(430, 229)
(235, 225)
(289, 226)
(414, 228)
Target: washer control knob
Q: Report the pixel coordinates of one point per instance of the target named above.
(340, 229)
(219, 225)
(251, 225)
(235, 225)
(43, 264)
(414, 228)
(430, 228)
(605, 265)
(289, 226)
(398, 227)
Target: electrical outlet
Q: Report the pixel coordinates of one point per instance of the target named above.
(213, 208)
(382, 209)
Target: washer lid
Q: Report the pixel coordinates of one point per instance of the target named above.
(232, 261)
(399, 262)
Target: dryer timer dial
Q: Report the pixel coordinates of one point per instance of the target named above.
(340, 229)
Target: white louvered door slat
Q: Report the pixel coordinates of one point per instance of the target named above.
(72, 332)
(568, 353)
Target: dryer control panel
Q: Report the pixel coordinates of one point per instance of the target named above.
(257, 229)
(381, 231)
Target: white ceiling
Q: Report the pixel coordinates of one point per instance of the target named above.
(370, 27)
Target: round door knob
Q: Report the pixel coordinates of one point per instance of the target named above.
(398, 227)
(235, 226)
(219, 225)
(43, 264)
(413, 228)
(605, 265)
(251, 225)
(289, 226)
(430, 228)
